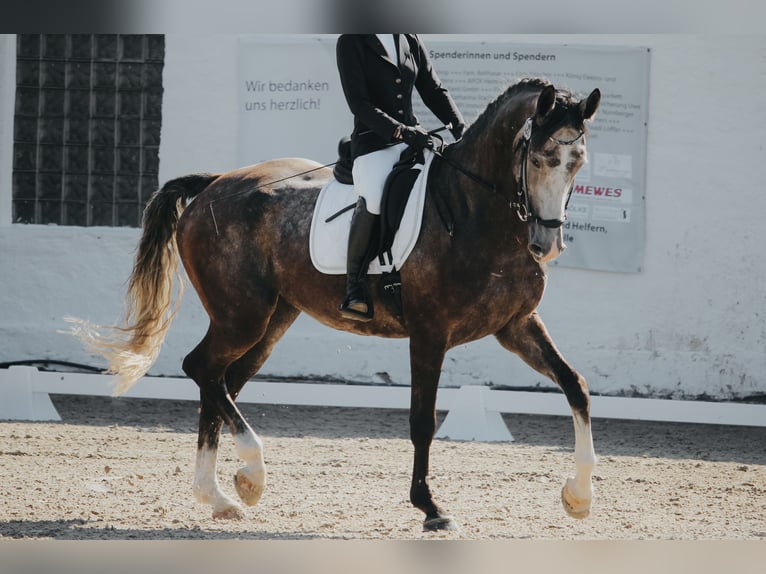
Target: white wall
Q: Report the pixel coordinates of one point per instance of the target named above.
(199, 109)
(691, 323)
(7, 103)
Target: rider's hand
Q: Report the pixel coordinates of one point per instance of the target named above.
(417, 137)
(457, 131)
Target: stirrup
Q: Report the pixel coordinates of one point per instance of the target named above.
(348, 311)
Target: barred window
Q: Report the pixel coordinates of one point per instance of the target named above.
(87, 127)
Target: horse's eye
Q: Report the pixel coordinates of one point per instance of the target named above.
(535, 162)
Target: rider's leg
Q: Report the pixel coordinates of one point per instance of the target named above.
(370, 172)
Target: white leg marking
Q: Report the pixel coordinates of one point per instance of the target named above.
(206, 489)
(577, 493)
(250, 479)
(585, 458)
(249, 448)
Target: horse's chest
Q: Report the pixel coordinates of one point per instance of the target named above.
(516, 286)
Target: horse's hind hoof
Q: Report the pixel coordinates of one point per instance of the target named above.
(248, 490)
(440, 523)
(574, 507)
(228, 513)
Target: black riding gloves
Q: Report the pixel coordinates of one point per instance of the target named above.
(416, 137)
(457, 131)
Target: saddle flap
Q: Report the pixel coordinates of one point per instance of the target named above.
(328, 240)
(342, 169)
(396, 193)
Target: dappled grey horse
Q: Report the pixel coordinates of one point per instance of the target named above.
(244, 243)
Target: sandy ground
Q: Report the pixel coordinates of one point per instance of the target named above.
(118, 468)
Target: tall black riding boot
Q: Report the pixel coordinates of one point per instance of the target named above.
(358, 305)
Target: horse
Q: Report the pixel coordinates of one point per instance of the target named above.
(243, 240)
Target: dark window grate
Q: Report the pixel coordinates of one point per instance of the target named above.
(87, 127)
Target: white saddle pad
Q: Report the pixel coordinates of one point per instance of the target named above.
(328, 241)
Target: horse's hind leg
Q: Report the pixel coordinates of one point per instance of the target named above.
(531, 342)
(208, 375)
(251, 479)
(221, 369)
(205, 486)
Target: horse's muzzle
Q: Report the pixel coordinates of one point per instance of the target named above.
(545, 243)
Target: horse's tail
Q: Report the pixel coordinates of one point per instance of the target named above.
(131, 349)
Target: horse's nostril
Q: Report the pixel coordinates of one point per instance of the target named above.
(536, 250)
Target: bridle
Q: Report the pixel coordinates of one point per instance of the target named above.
(521, 203)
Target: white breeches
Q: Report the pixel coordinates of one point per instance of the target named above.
(370, 172)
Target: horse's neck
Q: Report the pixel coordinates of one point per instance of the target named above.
(469, 199)
(490, 162)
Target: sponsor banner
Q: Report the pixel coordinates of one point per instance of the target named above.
(605, 227)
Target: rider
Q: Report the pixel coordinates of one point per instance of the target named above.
(378, 73)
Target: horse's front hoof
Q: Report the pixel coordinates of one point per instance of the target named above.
(575, 507)
(440, 523)
(249, 489)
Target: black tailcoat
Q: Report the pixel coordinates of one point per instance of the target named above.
(379, 91)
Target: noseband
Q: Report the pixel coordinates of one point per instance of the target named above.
(521, 205)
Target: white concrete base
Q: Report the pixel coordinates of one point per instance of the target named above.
(19, 400)
(470, 419)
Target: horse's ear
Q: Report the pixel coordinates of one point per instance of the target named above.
(545, 102)
(589, 105)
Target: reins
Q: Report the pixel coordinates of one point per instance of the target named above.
(469, 174)
(262, 185)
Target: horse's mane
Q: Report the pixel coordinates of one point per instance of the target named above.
(525, 84)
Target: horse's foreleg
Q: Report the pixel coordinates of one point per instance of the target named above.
(531, 342)
(425, 361)
(577, 494)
